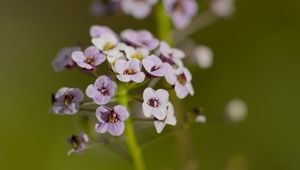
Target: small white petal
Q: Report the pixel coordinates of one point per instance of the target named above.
(148, 93)
(203, 57)
(236, 110)
(163, 95)
(159, 126)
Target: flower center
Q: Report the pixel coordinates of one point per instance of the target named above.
(177, 6)
(154, 102)
(181, 79)
(113, 117)
(68, 100)
(103, 91)
(129, 72)
(74, 141)
(89, 61)
(108, 46)
(137, 56)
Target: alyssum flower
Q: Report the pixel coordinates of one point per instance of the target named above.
(181, 80)
(140, 38)
(169, 118)
(111, 120)
(89, 59)
(97, 31)
(66, 101)
(104, 8)
(78, 143)
(64, 58)
(173, 56)
(155, 67)
(129, 70)
(155, 103)
(123, 51)
(102, 91)
(137, 8)
(181, 11)
(106, 41)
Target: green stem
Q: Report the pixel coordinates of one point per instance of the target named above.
(163, 24)
(164, 28)
(132, 144)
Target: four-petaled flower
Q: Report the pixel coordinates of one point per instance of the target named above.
(97, 31)
(155, 67)
(100, 8)
(181, 80)
(141, 38)
(181, 11)
(129, 70)
(138, 53)
(106, 41)
(123, 51)
(66, 101)
(89, 59)
(170, 55)
(102, 91)
(168, 119)
(155, 103)
(111, 120)
(64, 58)
(137, 8)
(78, 143)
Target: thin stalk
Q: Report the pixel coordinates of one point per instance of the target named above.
(142, 120)
(163, 24)
(159, 138)
(95, 74)
(87, 103)
(137, 99)
(132, 144)
(200, 22)
(87, 110)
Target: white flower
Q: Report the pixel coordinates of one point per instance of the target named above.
(173, 56)
(98, 31)
(236, 110)
(155, 103)
(138, 53)
(123, 51)
(137, 8)
(116, 53)
(181, 80)
(105, 42)
(200, 119)
(203, 56)
(169, 119)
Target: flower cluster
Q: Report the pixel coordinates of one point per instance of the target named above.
(134, 57)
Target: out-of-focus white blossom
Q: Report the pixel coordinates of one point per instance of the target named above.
(200, 119)
(236, 111)
(222, 8)
(203, 56)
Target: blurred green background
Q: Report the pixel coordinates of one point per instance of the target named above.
(256, 59)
